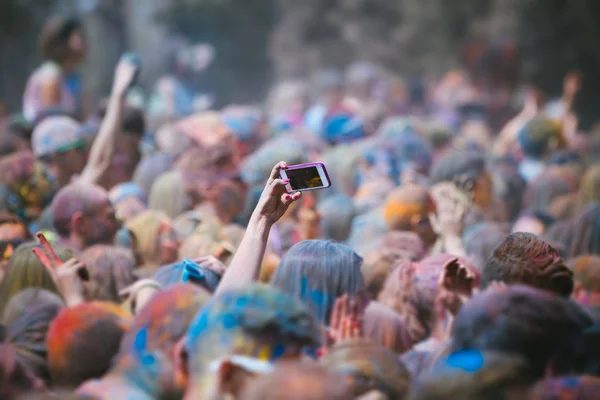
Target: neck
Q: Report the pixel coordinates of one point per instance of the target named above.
(62, 177)
(74, 242)
(206, 388)
(68, 66)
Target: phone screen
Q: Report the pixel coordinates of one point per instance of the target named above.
(304, 178)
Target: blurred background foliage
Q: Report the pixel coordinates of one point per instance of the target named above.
(261, 41)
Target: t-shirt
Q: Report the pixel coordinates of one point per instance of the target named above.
(32, 99)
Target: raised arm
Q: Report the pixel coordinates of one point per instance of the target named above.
(247, 261)
(104, 146)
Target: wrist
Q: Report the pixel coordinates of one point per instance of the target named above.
(73, 299)
(260, 225)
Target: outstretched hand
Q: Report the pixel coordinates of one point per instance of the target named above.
(457, 284)
(275, 200)
(345, 322)
(212, 263)
(68, 276)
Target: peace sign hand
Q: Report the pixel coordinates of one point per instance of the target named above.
(68, 276)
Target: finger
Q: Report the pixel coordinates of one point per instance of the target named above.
(44, 259)
(288, 198)
(356, 330)
(275, 172)
(344, 308)
(334, 321)
(47, 247)
(452, 267)
(354, 309)
(346, 329)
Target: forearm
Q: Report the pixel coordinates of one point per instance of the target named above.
(104, 146)
(247, 261)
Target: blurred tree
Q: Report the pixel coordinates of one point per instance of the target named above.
(556, 36)
(239, 31)
(20, 22)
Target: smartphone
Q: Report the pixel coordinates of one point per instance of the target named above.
(305, 177)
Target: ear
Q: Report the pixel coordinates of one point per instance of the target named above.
(180, 362)
(232, 378)
(78, 224)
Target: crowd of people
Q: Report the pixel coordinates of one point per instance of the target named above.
(150, 248)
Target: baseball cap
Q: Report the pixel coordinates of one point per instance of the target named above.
(56, 134)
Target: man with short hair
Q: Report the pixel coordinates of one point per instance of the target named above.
(83, 216)
(523, 258)
(242, 333)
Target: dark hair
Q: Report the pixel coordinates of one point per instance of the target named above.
(523, 258)
(545, 329)
(54, 40)
(457, 164)
(133, 119)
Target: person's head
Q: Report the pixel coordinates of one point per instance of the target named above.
(473, 375)
(337, 213)
(523, 258)
(62, 41)
(243, 332)
(58, 141)
(383, 326)
(111, 270)
(156, 241)
(586, 270)
(465, 166)
(582, 235)
(298, 381)
(545, 329)
(407, 209)
(168, 194)
(151, 167)
(392, 248)
(82, 341)
(369, 368)
(203, 168)
(187, 271)
(567, 387)
(26, 299)
(589, 190)
(27, 329)
(15, 378)
(411, 290)
(539, 137)
(162, 322)
(24, 270)
(83, 214)
(13, 232)
(318, 272)
(552, 184)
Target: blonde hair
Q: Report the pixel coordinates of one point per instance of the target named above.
(145, 227)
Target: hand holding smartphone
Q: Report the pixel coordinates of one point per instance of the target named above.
(306, 177)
